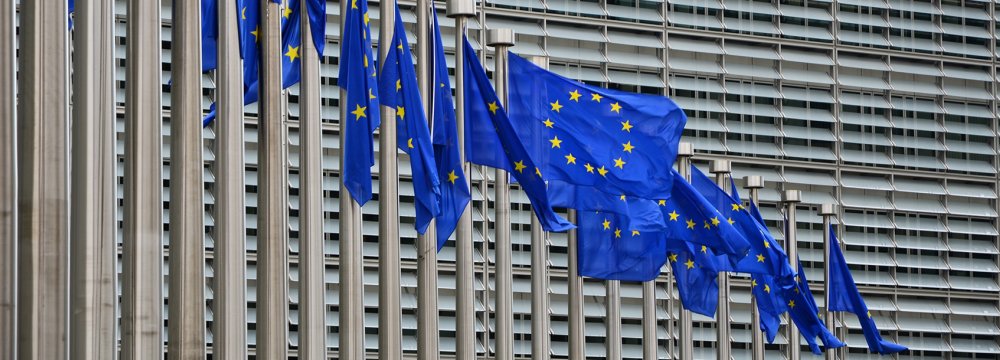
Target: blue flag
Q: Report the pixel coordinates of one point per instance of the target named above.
(358, 79)
(455, 194)
(291, 44)
(399, 90)
(805, 314)
(316, 10)
(844, 296)
(642, 215)
(487, 123)
(209, 34)
(72, 6)
(691, 218)
(696, 274)
(609, 249)
(765, 289)
(590, 136)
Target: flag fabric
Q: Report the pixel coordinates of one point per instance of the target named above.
(455, 194)
(487, 124)
(805, 314)
(765, 255)
(642, 215)
(844, 296)
(72, 6)
(609, 249)
(358, 79)
(695, 271)
(291, 43)
(399, 90)
(613, 140)
(316, 10)
(770, 304)
(209, 34)
(691, 218)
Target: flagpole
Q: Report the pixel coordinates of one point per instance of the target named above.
(312, 286)
(389, 313)
(613, 319)
(685, 339)
(540, 340)
(827, 211)
(92, 265)
(428, 329)
(43, 184)
(272, 255)
(142, 249)
(754, 184)
(465, 311)
(500, 40)
(575, 295)
(722, 168)
(230, 310)
(8, 191)
(352, 308)
(791, 198)
(649, 340)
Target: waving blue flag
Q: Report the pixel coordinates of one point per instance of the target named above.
(358, 79)
(71, 5)
(618, 141)
(209, 34)
(696, 274)
(399, 90)
(455, 194)
(805, 314)
(844, 296)
(770, 302)
(487, 123)
(691, 218)
(316, 10)
(609, 249)
(291, 44)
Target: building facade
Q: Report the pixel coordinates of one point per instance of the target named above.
(884, 107)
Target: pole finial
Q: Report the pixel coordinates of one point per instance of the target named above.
(500, 37)
(754, 182)
(791, 196)
(461, 8)
(828, 209)
(721, 167)
(685, 149)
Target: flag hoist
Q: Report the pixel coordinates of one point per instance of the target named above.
(389, 313)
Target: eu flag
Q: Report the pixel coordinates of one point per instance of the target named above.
(696, 274)
(399, 90)
(770, 302)
(844, 296)
(455, 194)
(765, 257)
(316, 10)
(609, 249)
(487, 120)
(357, 78)
(805, 314)
(209, 34)
(642, 215)
(691, 218)
(613, 140)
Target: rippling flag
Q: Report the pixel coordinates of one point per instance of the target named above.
(399, 90)
(805, 314)
(691, 218)
(770, 302)
(696, 274)
(209, 34)
(358, 79)
(610, 248)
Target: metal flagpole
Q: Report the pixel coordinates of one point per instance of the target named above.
(230, 335)
(465, 311)
(8, 189)
(186, 328)
(142, 243)
(649, 340)
(428, 330)
(312, 286)
(827, 211)
(540, 341)
(352, 311)
(614, 319)
(92, 265)
(272, 258)
(754, 184)
(722, 168)
(791, 198)
(575, 295)
(43, 188)
(389, 314)
(685, 338)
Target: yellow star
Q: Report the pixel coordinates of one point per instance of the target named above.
(400, 111)
(707, 226)
(626, 126)
(555, 141)
(635, 232)
(753, 283)
(400, 45)
(627, 147)
(574, 95)
(538, 172)
(243, 13)
(689, 264)
(367, 20)
(255, 33)
(869, 314)
(674, 215)
(556, 106)
(287, 12)
(607, 224)
(619, 163)
(354, 4)
(760, 258)
(452, 177)
(409, 143)
(519, 166)
(791, 303)
(570, 159)
(494, 107)
(736, 206)
(589, 168)
(796, 290)
(293, 53)
(371, 94)
(602, 171)
(616, 108)
(365, 58)
(767, 288)
(548, 123)
(596, 97)
(618, 233)
(704, 249)
(690, 223)
(622, 197)
(359, 112)
(767, 245)
(715, 221)
(730, 221)
(662, 202)
(673, 257)
(399, 85)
